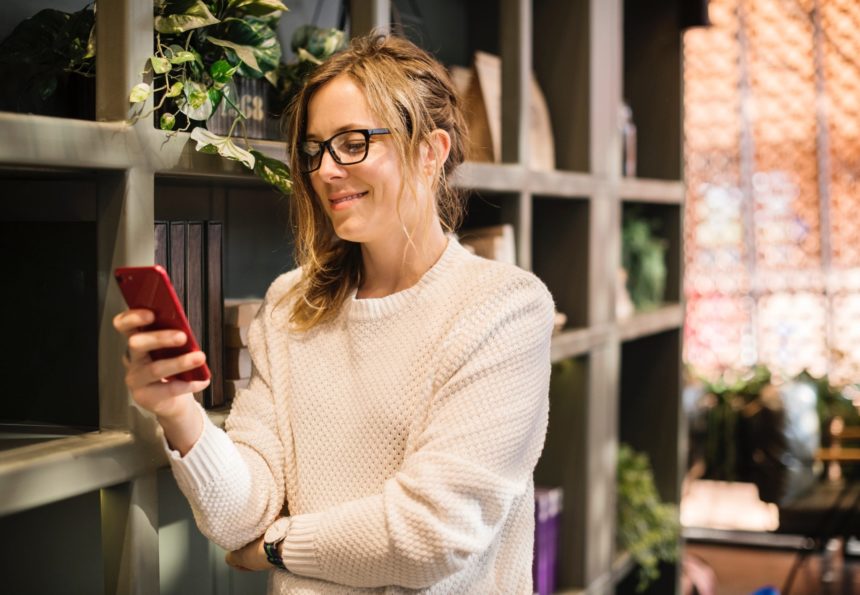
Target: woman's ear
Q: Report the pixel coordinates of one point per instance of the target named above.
(435, 152)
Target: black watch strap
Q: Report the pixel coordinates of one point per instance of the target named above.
(273, 553)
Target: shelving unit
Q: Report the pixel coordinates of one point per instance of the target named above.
(613, 380)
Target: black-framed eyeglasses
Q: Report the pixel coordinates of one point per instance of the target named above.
(346, 148)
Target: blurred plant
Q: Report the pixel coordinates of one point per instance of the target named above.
(41, 52)
(312, 45)
(648, 528)
(643, 256)
(726, 398)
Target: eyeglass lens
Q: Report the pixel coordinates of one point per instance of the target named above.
(348, 147)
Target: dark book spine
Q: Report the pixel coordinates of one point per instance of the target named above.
(215, 311)
(161, 245)
(177, 254)
(195, 289)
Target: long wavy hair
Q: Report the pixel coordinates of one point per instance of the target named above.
(412, 94)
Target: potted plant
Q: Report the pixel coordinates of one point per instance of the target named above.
(648, 529)
(201, 48)
(643, 257)
(47, 64)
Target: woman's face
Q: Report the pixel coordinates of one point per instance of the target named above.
(360, 199)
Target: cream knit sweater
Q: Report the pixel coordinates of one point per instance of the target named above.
(401, 438)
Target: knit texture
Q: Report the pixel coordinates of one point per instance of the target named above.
(401, 437)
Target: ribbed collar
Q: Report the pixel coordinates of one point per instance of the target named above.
(375, 308)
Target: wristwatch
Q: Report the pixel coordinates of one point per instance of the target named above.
(272, 540)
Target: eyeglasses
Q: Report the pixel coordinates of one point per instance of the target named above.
(346, 148)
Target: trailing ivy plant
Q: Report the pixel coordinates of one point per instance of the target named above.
(648, 529)
(200, 46)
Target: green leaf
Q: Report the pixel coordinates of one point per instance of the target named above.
(168, 121)
(224, 146)
(256, 7)
(254, 42)
(193, 16)
(195, 102)
(182, 56)
(273, 172)
(245, 53)
(160, 65)
(175, 89)
(222, 72)
(140, 92)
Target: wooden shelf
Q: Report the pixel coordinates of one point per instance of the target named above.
(174, 154)
(651, 191)
(66, 143)
(577, 342)
(643, 324)
(562, 184)
(54, 470)
(490, 176)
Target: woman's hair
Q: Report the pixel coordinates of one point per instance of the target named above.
(411, 94)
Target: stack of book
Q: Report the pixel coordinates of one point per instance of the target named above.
(548, 505)
(191, 251)
(238, 315)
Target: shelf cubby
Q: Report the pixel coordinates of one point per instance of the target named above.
(649, 407)
(561, 55)
(563, 459)
(75, 525)
(560, 254)
(257, 242)
(666, 225)
(652, 85)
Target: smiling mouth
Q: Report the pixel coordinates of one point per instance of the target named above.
(344, 199)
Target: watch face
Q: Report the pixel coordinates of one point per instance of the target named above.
(277, 531)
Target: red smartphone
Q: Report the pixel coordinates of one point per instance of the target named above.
(150, 288)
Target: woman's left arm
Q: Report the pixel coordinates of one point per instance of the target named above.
(476, 453)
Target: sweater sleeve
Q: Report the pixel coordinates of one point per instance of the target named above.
(234, 480)
(474, 455)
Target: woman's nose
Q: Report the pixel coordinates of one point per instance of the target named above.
(329, 168)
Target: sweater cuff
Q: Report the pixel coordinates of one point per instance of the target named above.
(204, 463)
(298, 550)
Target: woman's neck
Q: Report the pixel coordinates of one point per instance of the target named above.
(398, 264)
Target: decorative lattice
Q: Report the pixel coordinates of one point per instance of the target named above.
(772, 152)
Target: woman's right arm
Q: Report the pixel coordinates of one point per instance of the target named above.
(172, 401)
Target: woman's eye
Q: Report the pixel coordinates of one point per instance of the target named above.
(355, 147)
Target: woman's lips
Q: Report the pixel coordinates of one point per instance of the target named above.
(343, 200)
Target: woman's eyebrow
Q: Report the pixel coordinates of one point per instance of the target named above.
(344, 128)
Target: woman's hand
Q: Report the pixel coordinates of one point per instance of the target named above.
(171, 401)
(250, 558)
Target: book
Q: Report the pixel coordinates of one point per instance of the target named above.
(161, 244)
(237, 363)
(215, 312)
(496, 242)
(480, 89)
(235, 336)
(194, 288)
(176, 262)
(548, 507)
(240, 312)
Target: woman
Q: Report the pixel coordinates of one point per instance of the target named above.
(398, 402)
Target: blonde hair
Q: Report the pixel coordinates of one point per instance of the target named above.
(412, 95)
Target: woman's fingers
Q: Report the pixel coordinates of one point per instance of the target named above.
(154, 371)
(130, 321)
(149, 341)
